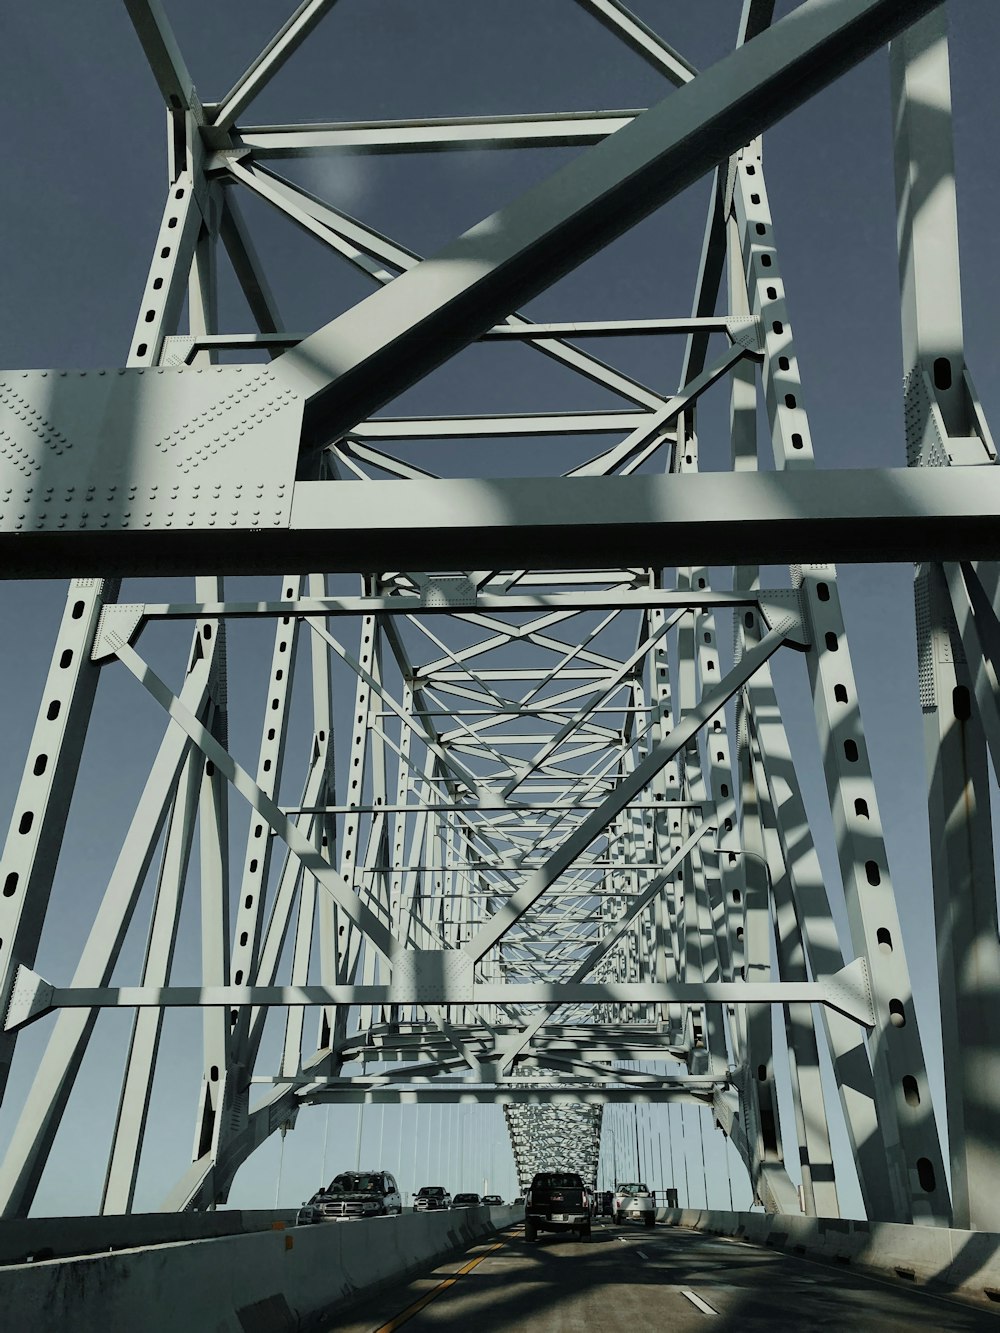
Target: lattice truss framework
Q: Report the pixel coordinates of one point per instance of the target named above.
(555, 1138)
(564, 839)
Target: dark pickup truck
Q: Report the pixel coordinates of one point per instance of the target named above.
(556, 1201)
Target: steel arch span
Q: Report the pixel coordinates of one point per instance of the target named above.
(513, 812)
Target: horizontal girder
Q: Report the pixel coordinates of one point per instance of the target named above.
(866, 515)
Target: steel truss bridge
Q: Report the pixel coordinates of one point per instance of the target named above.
(564, 833)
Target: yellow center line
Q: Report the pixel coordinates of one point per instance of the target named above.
(398, 1320)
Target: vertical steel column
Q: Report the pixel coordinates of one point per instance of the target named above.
(251, 911)
(897, 1054)
(944, 427)
(819, 1190)
(818, 934)
(34, 838)
(214, 868)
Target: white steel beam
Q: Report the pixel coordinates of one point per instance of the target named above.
(444, 133)
(371, 353)
(868, 515)
(945, 433)
(282, 45)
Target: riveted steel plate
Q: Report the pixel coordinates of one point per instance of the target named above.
(448, 591)
(146, 450)
(442, 975)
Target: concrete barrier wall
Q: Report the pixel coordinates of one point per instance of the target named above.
(960, 1263)
(60, 1237)
(278, 1281)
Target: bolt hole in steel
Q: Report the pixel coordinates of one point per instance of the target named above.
(884, 940)
(897, 1014)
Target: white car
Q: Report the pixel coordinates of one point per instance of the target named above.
(634, 1203)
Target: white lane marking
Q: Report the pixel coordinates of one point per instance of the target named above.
(698, 1303)
(642, 1254)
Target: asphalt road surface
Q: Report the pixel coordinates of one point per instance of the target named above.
(627, 1278)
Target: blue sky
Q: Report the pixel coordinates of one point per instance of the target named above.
(83, 185)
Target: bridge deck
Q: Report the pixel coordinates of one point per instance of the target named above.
(627, 1278)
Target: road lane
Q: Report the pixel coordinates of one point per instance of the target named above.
(628, 1278)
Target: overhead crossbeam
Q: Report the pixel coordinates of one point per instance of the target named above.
(867, 515)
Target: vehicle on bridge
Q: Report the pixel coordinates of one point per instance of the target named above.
(466, 1201)
(353, 1194)
(493, 1200)
(557, 1201)
(634, 1203)
(430, 1198)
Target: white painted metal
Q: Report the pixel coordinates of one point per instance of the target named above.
(546, 855)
